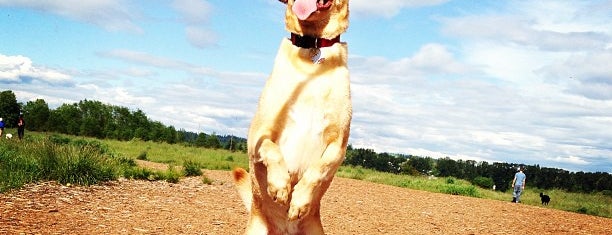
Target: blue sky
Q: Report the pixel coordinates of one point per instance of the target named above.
(513, 81)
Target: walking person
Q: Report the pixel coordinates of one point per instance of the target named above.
(20, 127)
(518, 184)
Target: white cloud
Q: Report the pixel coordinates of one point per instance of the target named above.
(200, 37)
(388, 8)
(587, 74)
(195, 14)
(523, 31)
(143, 58)
(570, 160)
(193, 11)
(20, 69)
(527, 46)
(109, 14)
(431, 59)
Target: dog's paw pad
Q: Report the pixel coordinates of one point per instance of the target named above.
(296, 213)
(279, 195)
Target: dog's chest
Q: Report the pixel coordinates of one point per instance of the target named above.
(302, 141)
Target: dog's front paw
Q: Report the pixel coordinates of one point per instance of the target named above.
(300, 203)
(279, 185)
(298, 212)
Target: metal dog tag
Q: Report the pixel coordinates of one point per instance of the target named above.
(316, 56)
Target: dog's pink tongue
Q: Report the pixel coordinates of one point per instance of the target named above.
(303, 8)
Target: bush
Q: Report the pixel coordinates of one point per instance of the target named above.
(172, 175)
(460, 190)
(142, 156)
(450, 180)
(582, 210)
(80, 166)
(206, 180)
(483, 182)
(192, 168)
(140, 173)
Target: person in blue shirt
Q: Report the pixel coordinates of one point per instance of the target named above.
(518, 184)
(1, 127)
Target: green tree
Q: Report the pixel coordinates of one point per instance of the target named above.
(65, 119)
(201, 140)
(37, 115)
(95, 116)
(140, 123)
(421, 164)
(212, 141)
(447, 167)
(9, 108)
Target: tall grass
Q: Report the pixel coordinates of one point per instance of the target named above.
(81, 161)
(36, 159)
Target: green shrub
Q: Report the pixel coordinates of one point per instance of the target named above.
(142, 156)
(172, 175)
(128, 162)
(582, 210)
(206, 180)
(140, 173)
(483, 182)
(192, 168)
(454, 189)
(85, 166)
(450, 180)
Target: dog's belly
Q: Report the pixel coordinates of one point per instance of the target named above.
(302, 141)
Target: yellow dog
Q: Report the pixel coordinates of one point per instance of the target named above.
(298, 137)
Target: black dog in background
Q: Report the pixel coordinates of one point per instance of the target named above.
(545, 199)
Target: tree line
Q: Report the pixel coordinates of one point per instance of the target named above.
(482, 173)
(99, 120)
(95, 119)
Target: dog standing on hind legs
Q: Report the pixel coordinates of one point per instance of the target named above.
(298, 136)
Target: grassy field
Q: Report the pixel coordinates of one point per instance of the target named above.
(593, 203)
(180, 155)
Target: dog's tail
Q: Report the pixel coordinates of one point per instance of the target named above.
(243, 184)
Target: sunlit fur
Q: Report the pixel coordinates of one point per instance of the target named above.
(298, 136)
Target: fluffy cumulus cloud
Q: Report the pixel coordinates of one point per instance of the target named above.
(195, 14)
(568, 49)
(19, 69)
(388, 8)
(109, 14)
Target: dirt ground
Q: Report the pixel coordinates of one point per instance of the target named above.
(191, 207)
